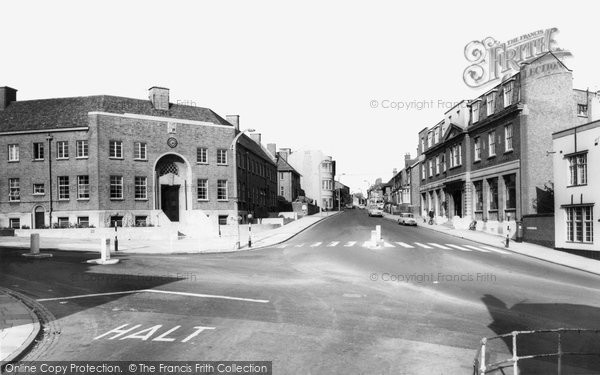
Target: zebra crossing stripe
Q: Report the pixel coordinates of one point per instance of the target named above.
(404, 244)
(496, 250)
(458, 247)
(350, 244)
(476, 248)
(423, 245)
(440, 246)
(316, 244)
(387, 244)
(333, 244)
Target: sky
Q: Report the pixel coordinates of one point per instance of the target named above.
(303, 74)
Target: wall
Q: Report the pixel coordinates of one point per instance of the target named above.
(539, 229)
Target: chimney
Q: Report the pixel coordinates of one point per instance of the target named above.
(255, 137)
(284, 153)
(406, 160)
(272, 147)
(7, 95)
(394, 171)
(159, 96)
(234, 120)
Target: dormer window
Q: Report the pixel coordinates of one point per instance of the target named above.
(490, 103)
(475, 112)
(508, 90)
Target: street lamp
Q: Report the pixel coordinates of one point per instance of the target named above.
(236, 199)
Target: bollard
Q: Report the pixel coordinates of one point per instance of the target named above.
(104, 253)
(116, 240)
(507, 241)
(34, 247)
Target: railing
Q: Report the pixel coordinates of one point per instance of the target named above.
(480, 366)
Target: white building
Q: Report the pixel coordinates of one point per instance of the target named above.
(577, 187)
(317, 172)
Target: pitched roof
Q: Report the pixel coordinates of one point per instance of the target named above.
(284, 166)
(73, 112)
(254, 147)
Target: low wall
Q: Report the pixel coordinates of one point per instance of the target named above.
(539, 229)
(125, 233)
(311, 208)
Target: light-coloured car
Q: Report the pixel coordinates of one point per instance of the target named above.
(375, 211)
(361, 206)
(407, 219)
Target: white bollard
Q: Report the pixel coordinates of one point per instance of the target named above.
(104, 253)
(34, 247)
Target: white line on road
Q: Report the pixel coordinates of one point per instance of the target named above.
(476, 248)
(496, 250)
(387, 244)
(404, 244)
(283, 245)
(350, 244)
(316, 244)
(333, 244)
(439, 246)
(300, 244)
(458, 247)
(423, 245)
(155, 291)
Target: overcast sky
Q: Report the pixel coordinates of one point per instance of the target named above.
(303, 74)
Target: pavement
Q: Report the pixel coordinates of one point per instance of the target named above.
(523, 248)
(18, 325)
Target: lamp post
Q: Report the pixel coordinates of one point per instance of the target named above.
(236, 199)
(49, 138)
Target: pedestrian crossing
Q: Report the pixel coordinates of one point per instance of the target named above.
(398, 244)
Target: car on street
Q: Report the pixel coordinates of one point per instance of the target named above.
(361, 206)
(349, 206)
(407, 219)
(375, 211)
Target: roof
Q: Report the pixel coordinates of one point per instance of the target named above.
(254, 147)
(284, 166)
(73, 112)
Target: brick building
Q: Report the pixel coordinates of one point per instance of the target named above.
(288, 181)
(106, 160)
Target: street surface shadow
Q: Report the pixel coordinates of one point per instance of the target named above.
(539, 316)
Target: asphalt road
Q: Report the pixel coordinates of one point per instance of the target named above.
(325, 302)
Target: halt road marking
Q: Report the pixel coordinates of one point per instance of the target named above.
(439, 246)
(476, 248)
(496, 250)
(423, 245)
(155, 291)
(404, 244)
(147, 333)
(458, 247)
(333, 244)
(350, 244)
(316, 244)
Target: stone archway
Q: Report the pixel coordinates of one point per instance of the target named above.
(172, 181)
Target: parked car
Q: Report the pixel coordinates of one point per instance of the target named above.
(361, 206)
(407, 219)
(375, 211)
(349, 206)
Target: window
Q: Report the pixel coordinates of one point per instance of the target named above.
(443, 157)
(493, 183)
(38, 189)
(141, 187)
(477, 143)
(423, 172)
(475, 112)
(62, 150)
(437, 164)
(83, 187)
(82, 149)
(492, 143)
(63, 222)
(508, 89)
(139, 151)
(478, 185)
(222, 190)
(223, 219)
(202, 155)
(578, 169)
(490, 103)
(282, 190)
(436, 135)
(429, 139)
(582, 110)
(38, 151)
(455, 156)
(221, 156)
(327, 185)
(430, 163)
(116, 187)
(422, 144)
(511, 191)
(116, 221)
(281, 175)
(202, 190)
(14, 223)
(141, 221)
(14, 190)
(83, 221)
(63, 187)
(115, 149)
(580, 224)
(508, 138)
(13, 152)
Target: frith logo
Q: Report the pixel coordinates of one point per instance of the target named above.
(492, 60)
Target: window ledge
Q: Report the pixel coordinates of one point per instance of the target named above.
(140, 159)
(491, 156)
(201, 163)
(578, 185)
(115, 158)
(222, 200)
(141, 199)
(474, 161)
(13, 161)
(81, 157)
(63, 199)
(509, 151)
(36, 160)
(117, 199)
(83, 199)
(38, 194)
(203, 200)
(62, 158)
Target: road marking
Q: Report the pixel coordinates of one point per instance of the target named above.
(147, 333)
(316, 244)
(350, 244)
(155, 291)
(458, 247)
(404, 244)
(387, 244)
(333, 244)
(439, 246)
(493, 249)
(476, 248)
(367, 244)
(423, 245)
(300, 244)
(283, 245)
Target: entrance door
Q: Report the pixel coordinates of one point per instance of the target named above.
(170, 201)
(457, 197)
(39, 218)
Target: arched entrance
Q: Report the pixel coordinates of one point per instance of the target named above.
(172, 177)
(39, 214)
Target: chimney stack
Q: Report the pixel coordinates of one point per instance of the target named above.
(256, 137)
(159, 96)
(234, 120)
(394, 171)
(272, 147)
(7, 95)
(406, 159)
(284, 153)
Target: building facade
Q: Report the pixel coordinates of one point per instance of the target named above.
(106, 161)
(317, 172)
(288, 181)
(576, 155)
